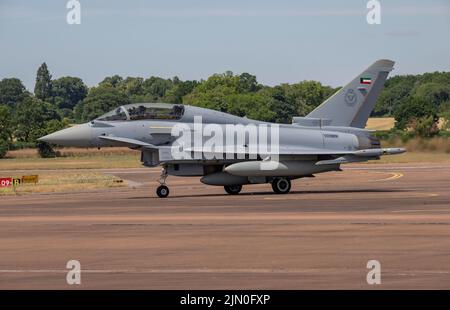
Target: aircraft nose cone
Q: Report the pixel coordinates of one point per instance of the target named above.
(78, 135)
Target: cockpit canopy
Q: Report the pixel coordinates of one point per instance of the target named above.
(144, 111)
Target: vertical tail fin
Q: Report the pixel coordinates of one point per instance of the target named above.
(351, 105)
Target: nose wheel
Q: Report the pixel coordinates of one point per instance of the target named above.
(162, 191)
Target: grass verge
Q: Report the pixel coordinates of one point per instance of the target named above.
(81, 162)
(64, 182)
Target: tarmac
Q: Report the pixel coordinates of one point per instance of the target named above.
(320, 236)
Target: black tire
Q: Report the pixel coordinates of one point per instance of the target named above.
(233, 189)
(281, 185)
(162, 191)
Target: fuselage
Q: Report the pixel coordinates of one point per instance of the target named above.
(157, 131)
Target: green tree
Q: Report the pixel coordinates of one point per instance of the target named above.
(113, 81)
(283, 109)
(6, 129)
(215, 98)
(436, 77)
(425, 127)
(242, 95)
(6, 124)
(43, 86)
(45, 150)
(12, 92)
(100, 100)
(446, 116)
(396, 90)
(31, 117)
(68, 92)
(433, 92)
(247, 83)
(251, 105)
(306, 96)
(3, 148)
(224, 80)
(132, 86)
(155, 88)
(213, 92)
(418, 114)
(179, 90)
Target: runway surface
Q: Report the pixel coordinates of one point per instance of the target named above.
(320, 236)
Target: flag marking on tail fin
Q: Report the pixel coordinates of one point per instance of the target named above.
(366, 80)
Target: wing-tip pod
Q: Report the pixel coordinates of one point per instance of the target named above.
(361, 155)
(379, 152)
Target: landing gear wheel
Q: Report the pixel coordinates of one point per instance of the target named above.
(162, 191)
(281, 185)
(233, 189)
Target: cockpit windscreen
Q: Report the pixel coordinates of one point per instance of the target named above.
(145, 111)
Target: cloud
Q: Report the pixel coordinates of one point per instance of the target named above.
(402, 33)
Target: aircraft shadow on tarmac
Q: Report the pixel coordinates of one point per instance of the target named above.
(344, 191)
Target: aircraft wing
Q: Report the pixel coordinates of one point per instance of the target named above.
(338, 156)
(293, 150)
(342, 156)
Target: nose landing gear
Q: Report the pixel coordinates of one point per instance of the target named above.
(162, 191)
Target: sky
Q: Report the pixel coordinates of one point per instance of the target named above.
(282, 41)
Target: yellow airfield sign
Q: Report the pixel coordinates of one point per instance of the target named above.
(26, 179)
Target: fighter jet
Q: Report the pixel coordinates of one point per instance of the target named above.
(231, 151)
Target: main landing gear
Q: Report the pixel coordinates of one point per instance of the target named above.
(233, 189)
(281, 185)
(162, 191)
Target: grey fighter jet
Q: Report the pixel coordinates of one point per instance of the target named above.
(331, 135)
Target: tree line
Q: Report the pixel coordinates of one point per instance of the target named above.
(416, 101)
